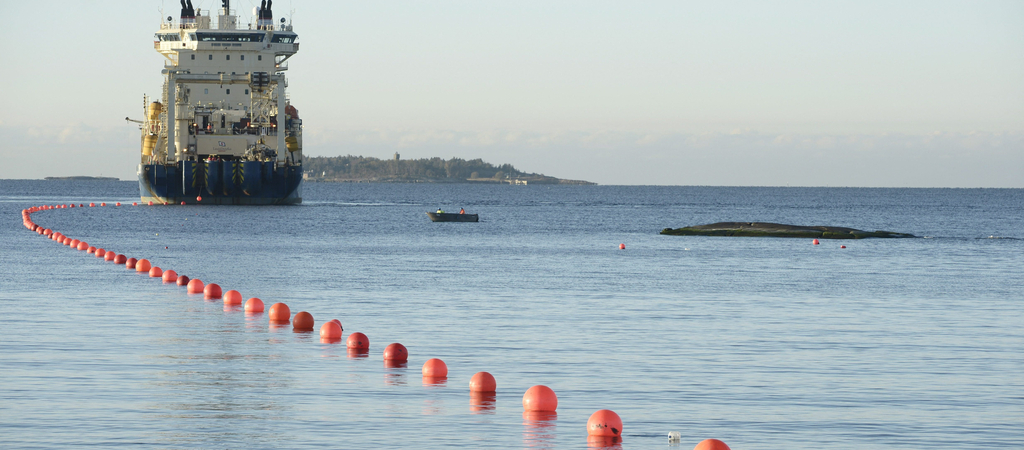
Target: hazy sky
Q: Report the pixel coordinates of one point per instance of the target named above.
(858, 93)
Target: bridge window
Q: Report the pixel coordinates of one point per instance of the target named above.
(228, 91)
(259, 57)
(227, 57)
(206, 91)
(242, 56)
(211, 57)
(193, 57)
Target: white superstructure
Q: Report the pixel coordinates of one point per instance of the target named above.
(224, 90)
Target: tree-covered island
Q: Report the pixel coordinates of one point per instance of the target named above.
(360, 169)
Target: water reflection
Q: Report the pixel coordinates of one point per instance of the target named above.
(433, 407)
(354, 353)
(604, 442)
(228, 308)
(325, 340)
(482, 402)
(539, 428)
(435, 381)
(394, 373)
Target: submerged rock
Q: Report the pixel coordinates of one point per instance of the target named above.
(763, 229)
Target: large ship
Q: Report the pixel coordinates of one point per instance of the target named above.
(224, 131)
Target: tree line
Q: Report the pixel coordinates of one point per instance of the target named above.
(345, 168)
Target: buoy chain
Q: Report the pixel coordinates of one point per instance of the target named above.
(603, 424)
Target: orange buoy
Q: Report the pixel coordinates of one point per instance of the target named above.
(329, 331)
(435, 368)
(815, 242)
(47, 232)
(72, 205)
(91, 250)
(100, 253)
(72, 243)
(232, 297)
(604, 423)
(120, 259)
(183, 203)
(254, 305)
(339, 324)
(396, 352)
(195, 286)
(117, 204)
(303, 321)
(842, 246)
(199, 198)
(130, 263)
(540, 398)
(165, 203)
(358, 341)
(83, 246)
(279, 313)
(170, 276)
(81, 205)
(143, 265)
(182, 280)
(711, 444)
(482, 382)
(212, 291)
(135, 203)
(155, 272)
(109, 256)
(622, 246)
(103, 204)
(150, 203)
(92, 205)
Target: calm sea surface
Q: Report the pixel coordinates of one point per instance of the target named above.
(763, 343)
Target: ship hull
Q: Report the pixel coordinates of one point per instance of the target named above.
(221, 183)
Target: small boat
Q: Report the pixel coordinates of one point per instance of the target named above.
(453, 217)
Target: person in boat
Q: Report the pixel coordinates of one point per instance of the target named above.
(462, 211)
(439, 211)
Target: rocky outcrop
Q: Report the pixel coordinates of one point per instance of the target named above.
(763, 229)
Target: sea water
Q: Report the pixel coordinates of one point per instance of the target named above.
(764, 343)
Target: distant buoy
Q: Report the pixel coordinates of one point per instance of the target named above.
(330, 331)
(130, 263)
(199, 198)
(358, 341)
(143, 265)
(182, 280)
(91, 250)
(165, 247)
(195, 286)
(254, 305)
(117, 204)
(396, 352)
(170, 276)
(212, 291)
(156, 272)
(150, 203)
(435, 368)
(303, 321)
(183, 203)
(815, 242)
(622, 246)
(83, 246)
(279, 313)
(604, 423)
(73, 243)
(103, 204)
(540, 398)
(232, 297)
(109, 256)
(92, 205)
(100, 253)
(842, 246)
(339, 324)
(482, 382)
(711, 444)
(674, 437)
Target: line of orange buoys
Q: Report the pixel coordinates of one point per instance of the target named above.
(603, 428)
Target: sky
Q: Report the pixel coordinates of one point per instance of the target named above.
(732, 93)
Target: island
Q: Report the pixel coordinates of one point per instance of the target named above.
(83, 178)
(763, 229)
(360, 169)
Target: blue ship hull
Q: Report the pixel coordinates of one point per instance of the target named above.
(221, 183)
